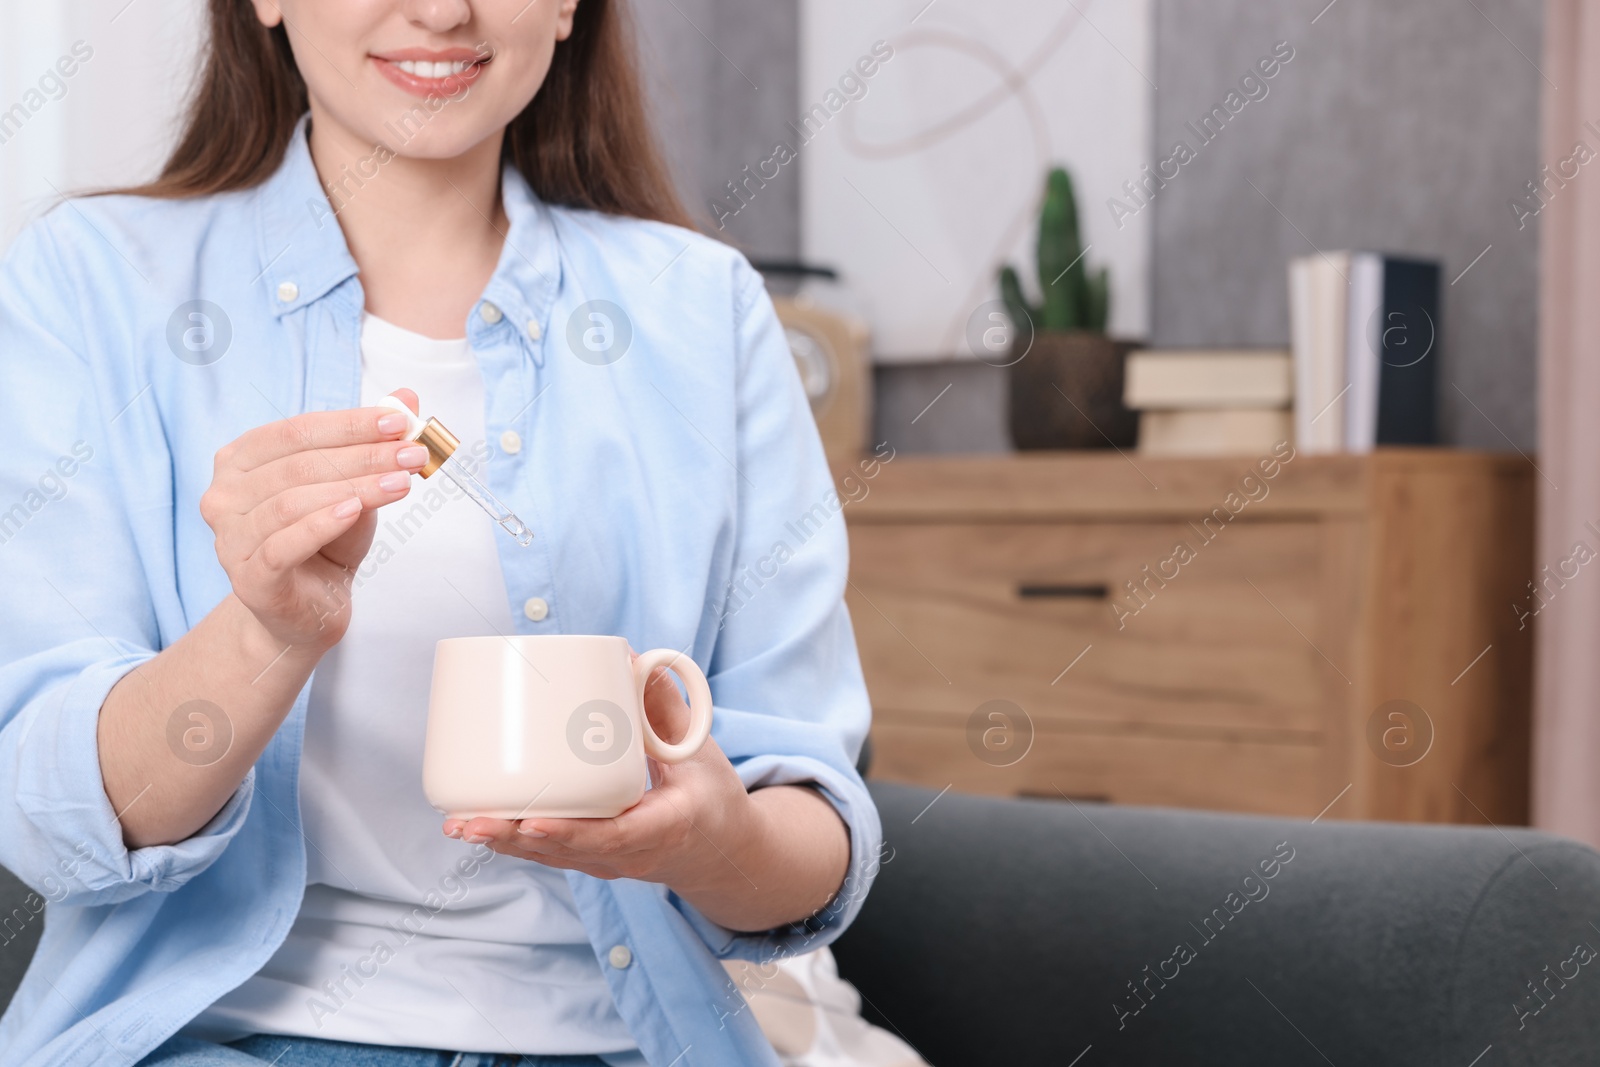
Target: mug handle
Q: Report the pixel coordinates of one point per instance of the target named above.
(694, 680)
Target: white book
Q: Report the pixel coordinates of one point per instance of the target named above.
(1320, 311)
(1331, 279)
(1214, 432)
(1164, 379)
(1363, 366)
(1300, 349)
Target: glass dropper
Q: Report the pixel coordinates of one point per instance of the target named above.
(457, 472)
(442, 445)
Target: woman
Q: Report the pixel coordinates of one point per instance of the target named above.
(225, 583)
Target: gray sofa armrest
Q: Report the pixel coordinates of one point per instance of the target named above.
(1020, 931)
(21, 923)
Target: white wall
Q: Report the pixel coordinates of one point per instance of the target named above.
(111, 121)
(919, 230)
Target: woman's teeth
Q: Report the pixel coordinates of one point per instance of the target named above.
(424, 69)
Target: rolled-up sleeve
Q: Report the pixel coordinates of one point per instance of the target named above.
(59, 833)
(791, 704)
(79, 615)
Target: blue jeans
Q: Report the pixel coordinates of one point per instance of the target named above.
(258, 1049)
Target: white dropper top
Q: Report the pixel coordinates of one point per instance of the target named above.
(415, 424)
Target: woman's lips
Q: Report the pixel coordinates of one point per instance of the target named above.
(421, 80)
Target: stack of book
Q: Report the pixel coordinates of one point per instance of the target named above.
(1365, 339)
(1209, 402)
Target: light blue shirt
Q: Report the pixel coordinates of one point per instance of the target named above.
(668, 457)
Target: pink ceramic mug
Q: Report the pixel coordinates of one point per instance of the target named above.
(548, 726)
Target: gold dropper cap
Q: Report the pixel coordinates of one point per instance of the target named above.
(440, 443)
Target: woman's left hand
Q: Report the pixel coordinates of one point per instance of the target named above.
(684, 833)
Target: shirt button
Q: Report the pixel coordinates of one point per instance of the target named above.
(287, 291)
(535, 331)
(510, 443)
(536, 609)
(490, 313)
(619, 956)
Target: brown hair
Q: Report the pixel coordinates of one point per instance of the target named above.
(583, 141)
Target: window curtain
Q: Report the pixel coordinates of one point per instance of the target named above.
(1566, 720)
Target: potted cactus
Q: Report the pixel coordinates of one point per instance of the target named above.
(1066, 386)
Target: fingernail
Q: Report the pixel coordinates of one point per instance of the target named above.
(478, 839)
(527, 829)
(347, 508)
(452, 831)
(392, 423)
(414, 456)
(394, 481)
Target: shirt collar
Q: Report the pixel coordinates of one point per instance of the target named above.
(528, 277)
(304, 255)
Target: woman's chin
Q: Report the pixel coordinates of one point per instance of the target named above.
(444, 138)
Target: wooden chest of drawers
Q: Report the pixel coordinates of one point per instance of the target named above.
(1280, 634)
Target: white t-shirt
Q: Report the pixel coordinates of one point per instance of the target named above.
(465, 939)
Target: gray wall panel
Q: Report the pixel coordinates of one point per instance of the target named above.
(724, 77)
(1398, 126)
(941, 407)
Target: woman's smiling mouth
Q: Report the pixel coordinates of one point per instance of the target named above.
(431, 72)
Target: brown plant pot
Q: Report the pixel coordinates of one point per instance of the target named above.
(1066, 392)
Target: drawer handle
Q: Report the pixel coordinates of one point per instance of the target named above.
(1092, 591)
(1058, 796)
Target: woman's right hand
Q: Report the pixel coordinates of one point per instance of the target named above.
(293, 506)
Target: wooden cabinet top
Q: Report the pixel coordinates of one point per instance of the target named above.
(1055, 485)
